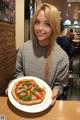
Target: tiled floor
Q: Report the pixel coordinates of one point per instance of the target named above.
(75, 93)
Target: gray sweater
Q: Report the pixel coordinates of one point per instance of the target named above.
(31, 60)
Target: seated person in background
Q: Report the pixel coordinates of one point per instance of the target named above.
(63, 41)
(42, 57)
(71, 35)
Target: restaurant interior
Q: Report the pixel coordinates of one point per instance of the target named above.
(70, 15)
(15, 18)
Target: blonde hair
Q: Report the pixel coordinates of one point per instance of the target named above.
(53, 16)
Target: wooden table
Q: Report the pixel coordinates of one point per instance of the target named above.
(62, 110)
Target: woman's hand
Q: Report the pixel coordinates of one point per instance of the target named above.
(55, 95)
(6, 91)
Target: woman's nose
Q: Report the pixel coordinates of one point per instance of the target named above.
(40, 26)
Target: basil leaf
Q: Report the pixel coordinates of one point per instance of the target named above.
(27, 83)
(21, 87)
(37, 89)
(27, 98)
(25, 91)
(21, 96)
(33, 92)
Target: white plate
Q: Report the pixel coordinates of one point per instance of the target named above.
(33, 108)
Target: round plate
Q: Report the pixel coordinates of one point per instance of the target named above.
(32, 108)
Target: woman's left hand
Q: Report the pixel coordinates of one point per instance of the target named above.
(55, 95)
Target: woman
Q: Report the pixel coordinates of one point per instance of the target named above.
(42, 57)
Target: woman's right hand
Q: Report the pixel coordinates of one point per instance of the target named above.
(6, 91)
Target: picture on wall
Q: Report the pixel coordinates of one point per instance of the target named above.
(7, 10)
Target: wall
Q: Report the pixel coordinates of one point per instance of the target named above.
(11, 38)
(19, 22)
(7, 54)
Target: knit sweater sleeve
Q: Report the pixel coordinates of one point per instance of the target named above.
(62, 74)
(19, 66)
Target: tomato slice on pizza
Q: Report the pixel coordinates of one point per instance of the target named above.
(28, 92)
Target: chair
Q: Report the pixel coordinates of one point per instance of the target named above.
(68, 88)
(70, 82)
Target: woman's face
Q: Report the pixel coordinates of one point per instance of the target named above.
(42, 29)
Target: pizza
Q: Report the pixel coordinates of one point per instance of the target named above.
(28, 92)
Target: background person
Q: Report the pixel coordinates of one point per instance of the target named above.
(64, 42)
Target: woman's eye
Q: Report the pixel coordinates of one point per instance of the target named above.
(36, 22)
(47, 24)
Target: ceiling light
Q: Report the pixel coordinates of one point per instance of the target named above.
(60, 12)
(69, 5)
(67, 22)
(75, 22)
(73, 0)
(78, 11)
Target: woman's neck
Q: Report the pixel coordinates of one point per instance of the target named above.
(44, 43)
